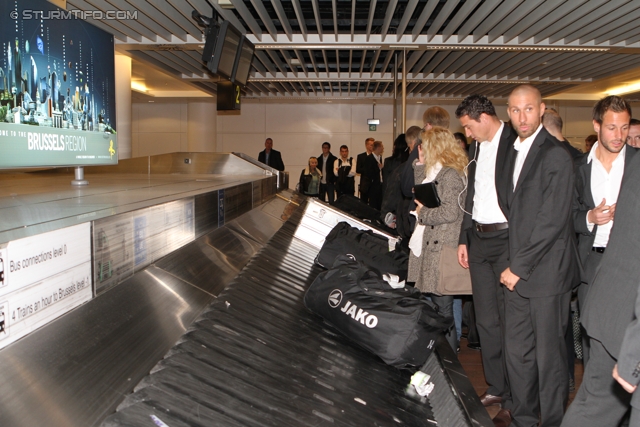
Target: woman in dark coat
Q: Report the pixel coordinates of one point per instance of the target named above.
(310, 178)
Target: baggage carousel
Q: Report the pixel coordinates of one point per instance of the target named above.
(215, 333)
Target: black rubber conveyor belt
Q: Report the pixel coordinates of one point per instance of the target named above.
(257, 357)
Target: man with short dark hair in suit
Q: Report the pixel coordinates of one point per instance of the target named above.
(484, 238)
(360, 162)
(271, 157)
(606, 208)
(543, 265)
(328, 182)
(599, 176)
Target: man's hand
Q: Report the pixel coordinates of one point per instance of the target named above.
(463, 256)
(509, 279)
(625, 385)
(602, 213)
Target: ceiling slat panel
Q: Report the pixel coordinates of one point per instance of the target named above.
(283, 18)
(466, 67)
(406, 16)
(466, 57)
(611, 29)
(142, 24)
(159, 16)
(607, 10)
(560, 22)
(316, 15)
(616, 34)
(422, 19)
(334, 9)
(264, 16)
(391, 8)
(477, 18)
(451, 58)
(300, 16)
(439, 20)
(372, 11)
(116, 28)
(181, 15)
(534, 20)
(496, 17)
(514, 18)
(246, 16)
(459, 18)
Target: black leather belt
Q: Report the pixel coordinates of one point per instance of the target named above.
(599, 250)
(485, 228)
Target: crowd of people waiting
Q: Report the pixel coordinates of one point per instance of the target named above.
(532, 219)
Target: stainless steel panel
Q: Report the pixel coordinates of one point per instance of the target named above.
(257, 225)
(213, 260)
(237, 200)
(206, 212)
(73, 371)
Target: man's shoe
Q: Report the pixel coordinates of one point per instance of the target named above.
(474, 346)
(489, 399)
(502, 418)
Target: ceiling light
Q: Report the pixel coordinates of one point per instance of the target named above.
(326, 46)
(139, 87)
(621, 90)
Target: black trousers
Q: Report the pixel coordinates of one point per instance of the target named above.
(536, 356)
(488, 258)
(590, 268)
(329, 190)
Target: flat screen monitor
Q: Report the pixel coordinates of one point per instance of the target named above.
(243, 63)
(210, 42)
(224, 55)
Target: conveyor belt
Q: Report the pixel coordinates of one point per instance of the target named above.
(257, 357)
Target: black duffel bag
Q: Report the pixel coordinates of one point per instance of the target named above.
(363, 245)
(401, 326)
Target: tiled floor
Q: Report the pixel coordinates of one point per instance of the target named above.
(472, 364)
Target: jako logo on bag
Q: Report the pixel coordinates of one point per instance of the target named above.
(359, 315)
(335, 298)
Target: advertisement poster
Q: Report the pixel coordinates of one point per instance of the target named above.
(57, 88)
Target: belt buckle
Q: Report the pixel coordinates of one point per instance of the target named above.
(478, 227)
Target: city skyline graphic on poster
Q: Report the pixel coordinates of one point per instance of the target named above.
(56, 73)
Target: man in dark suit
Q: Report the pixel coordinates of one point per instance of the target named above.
(360, 162)
(612, 288)
(271, 157)
(371, 179)
(484, 238)
(543, 264)
(552, 122)
(599, 176)
(328, 181)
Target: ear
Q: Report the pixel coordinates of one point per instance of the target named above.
(542, 108)
(596, 127)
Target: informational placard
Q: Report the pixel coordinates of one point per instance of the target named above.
(44, 276)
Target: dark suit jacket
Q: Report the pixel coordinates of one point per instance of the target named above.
(370, 178)
(406, 175)
(360, 160)
(542, 247)
(275, 159)
(331, 177)
(504, 146)
(583, 201)
(610, 305)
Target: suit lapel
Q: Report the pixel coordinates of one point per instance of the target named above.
(530, 159)
(586, 176)
(503, 166)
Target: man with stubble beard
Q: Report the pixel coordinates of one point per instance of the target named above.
(542, 266)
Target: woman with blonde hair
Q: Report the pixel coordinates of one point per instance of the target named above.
(441, 160)
(310, 178)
